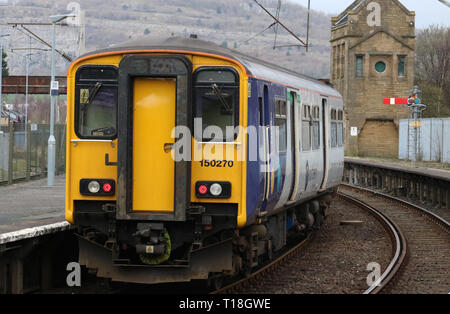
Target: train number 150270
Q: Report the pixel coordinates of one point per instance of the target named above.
(217, 163)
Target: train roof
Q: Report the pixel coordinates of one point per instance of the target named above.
(254, 67)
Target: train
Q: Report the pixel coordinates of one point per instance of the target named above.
(188, 161)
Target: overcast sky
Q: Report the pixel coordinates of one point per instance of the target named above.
(427, 11)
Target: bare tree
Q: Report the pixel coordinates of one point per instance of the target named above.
(433, 60)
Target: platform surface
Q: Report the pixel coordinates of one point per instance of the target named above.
(31, 204)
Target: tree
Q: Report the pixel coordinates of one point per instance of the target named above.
(433, 65)
(5, 70)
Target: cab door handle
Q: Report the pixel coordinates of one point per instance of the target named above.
(168, 147)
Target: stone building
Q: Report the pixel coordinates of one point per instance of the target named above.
(372, 58)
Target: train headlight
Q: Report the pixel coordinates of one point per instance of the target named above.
(94, 187)
(215, 189)
(218, 189)
(97, 187)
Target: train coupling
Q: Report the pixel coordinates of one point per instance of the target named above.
(152, 239)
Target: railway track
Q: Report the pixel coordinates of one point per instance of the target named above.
(264, 271)
(399, 244)
(417, 244)
(421, 262)
(284, 271)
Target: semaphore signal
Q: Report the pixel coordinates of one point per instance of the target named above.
(395, 101)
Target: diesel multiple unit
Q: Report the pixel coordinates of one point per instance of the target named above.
(186, 160)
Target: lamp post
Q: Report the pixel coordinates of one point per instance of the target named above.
(28, 64)
(1, 74)
(54, 91)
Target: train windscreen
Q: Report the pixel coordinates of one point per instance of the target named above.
(96, 102)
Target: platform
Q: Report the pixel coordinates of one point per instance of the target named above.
(32, 205)
(428, 186)
(434, 173)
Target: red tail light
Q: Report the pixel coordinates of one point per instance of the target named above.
(107, 187)
(202, 189)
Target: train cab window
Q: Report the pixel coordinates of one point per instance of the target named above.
(316, 127)
(96, 98)
(306, 128)
(333, 129)
(217, 99)
(281, 123)
(340, 128)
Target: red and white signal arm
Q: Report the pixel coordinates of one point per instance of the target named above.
(395, 101)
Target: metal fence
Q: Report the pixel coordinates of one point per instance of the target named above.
(432, 142)
(23, 153)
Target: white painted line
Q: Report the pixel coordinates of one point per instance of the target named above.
(34, 232)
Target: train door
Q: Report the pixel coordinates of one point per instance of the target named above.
(325, 138)
(154, 97)
(153, 122)
(265, 123)
(295, 129)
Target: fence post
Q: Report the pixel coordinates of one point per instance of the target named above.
(43, 140)
(28, 171)
(11, 153)
(58, 149)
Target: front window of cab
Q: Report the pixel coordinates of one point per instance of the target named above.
(217, 101)
(96, 102)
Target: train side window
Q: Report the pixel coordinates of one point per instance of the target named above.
(96, 99)
(340, 128)
(281, 123)
(306, 128)
(316, 127)
(216, 93)
(333, 128)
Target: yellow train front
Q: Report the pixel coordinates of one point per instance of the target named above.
(160, 182)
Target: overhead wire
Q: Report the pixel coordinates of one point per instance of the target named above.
(259, 34)
(276, 26)
(281, 24)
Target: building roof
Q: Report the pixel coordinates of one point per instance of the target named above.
(342, 18)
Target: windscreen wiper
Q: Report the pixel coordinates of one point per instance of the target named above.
(92, 94)
(219, 94)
